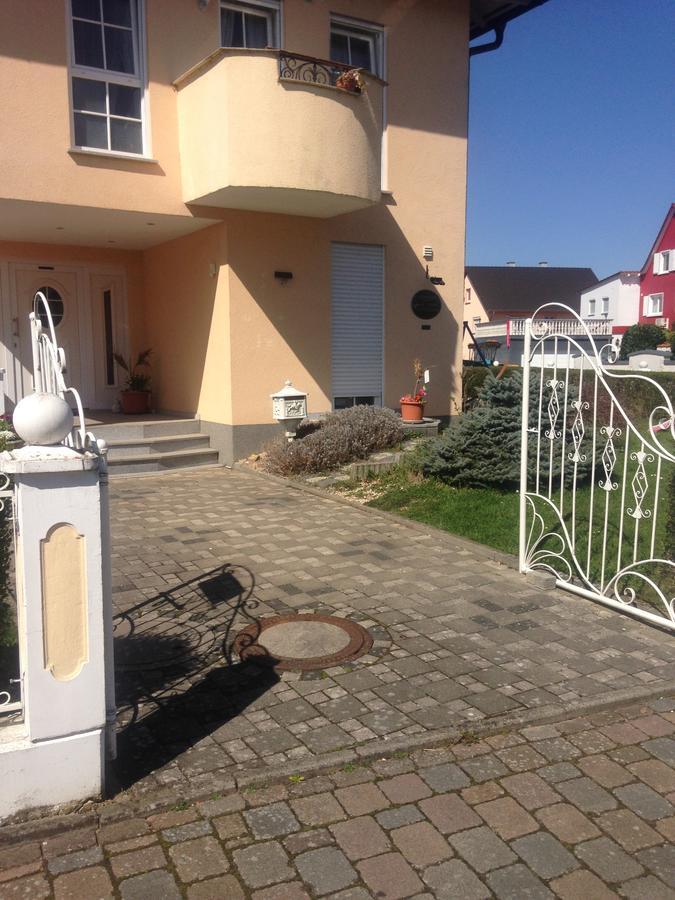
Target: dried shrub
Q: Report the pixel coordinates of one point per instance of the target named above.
(343, 437)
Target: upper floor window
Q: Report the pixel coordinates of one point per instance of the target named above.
(356, 45)
(604, 309)
(106, 85)
(591, 307)
(664, 262)
(254, 25)
(653, 305)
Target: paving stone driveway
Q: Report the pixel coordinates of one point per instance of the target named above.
(581, 810)
(459, 636)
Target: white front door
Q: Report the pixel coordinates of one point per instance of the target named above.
(88, 307)
(60, 286)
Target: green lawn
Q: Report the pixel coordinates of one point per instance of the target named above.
(487, 516)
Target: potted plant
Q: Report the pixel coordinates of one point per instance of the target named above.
(135, 396)
(412, 405)
(351, 80)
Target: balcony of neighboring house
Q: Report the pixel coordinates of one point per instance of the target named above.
(279, 132)
(503, 341)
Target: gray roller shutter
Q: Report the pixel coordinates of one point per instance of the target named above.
(357, 290)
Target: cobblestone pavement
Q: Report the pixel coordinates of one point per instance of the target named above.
(582, 810)
(458, 636)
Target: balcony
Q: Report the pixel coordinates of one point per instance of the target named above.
(272, 131)
(516, 328)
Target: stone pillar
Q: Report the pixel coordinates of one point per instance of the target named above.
(65, 633)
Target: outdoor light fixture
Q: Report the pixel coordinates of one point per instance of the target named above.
(289, 408)
(283, 276)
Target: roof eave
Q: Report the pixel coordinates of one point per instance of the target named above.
(505, 12)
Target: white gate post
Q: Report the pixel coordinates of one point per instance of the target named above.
(525, 421)
(58, 753)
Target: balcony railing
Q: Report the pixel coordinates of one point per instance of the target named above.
(307, 69)
(516, 328)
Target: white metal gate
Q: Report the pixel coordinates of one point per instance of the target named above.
(597, 484)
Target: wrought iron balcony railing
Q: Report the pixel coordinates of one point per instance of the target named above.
(309, 70)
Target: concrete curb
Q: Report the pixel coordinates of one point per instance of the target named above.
(49, 821)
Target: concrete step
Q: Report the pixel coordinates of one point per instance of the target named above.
(163, 462)
(132, 447)
(144, 428)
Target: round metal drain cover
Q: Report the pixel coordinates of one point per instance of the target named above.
(302, 642)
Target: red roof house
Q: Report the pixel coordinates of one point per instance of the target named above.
(657, 277)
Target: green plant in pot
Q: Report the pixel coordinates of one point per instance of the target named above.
(135, 396)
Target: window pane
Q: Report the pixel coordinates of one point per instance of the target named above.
(365, 401)
(87, 9)
(126, 136)
(88, 95)
(117, 12)
(119, 50)
(231, 28)
(360, 53)
(339, 48)
(256, 31)
(90, 131)
(343, 402)
(125, 101)
(88, 44)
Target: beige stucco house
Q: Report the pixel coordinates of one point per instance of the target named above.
(194, 176)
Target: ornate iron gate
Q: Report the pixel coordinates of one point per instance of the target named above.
(597, 485)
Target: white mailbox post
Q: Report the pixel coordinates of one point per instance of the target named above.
(289, 408)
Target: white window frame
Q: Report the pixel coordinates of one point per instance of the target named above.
(363, 30)
(272, 10)
(650, 304)
(107, 76)
(604, 306)
(591, 307)
(664, 262)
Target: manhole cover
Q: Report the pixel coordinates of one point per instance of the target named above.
(302, 642)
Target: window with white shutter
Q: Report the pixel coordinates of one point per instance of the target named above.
(357, 319)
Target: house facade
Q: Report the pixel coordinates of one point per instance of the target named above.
(615, 299)
(657, 277)
(209, 178)
(497, 300)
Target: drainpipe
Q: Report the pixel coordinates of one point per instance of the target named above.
(492, 45)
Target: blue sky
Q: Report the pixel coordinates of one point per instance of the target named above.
(572, 136)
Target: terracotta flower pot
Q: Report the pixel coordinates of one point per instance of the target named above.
(134, 403)
(412, 411)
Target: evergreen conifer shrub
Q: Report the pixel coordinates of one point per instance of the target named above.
(482, 447)
(641, 337)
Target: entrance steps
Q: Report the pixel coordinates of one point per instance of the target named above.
(154, 445)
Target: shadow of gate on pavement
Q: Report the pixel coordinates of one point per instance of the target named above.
(176, 681)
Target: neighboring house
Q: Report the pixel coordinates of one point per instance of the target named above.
(657, 277)
(498, 298)
(615, 299)
(172, 179)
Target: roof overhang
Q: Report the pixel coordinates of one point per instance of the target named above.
(492, 15)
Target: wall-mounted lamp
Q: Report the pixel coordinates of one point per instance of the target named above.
(202, 4)
(283, 277)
